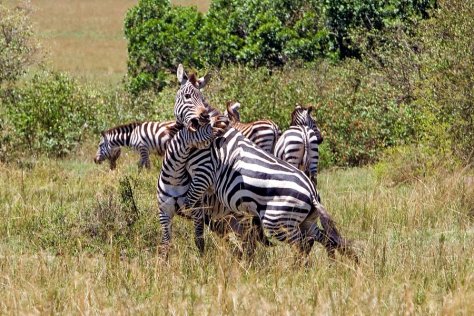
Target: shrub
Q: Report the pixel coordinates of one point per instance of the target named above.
(18, 47)
(159, 37)
(447, 93)
(358, 114)
(48, 115)
(257, 33)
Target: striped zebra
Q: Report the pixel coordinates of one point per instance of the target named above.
(299, 144)
(250, 182)
(187, 158)
(143, 137)
(263, 133)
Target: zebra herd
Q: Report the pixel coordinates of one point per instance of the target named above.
(245, 178)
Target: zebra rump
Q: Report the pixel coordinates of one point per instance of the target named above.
(263, 133)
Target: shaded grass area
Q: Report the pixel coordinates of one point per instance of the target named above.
(71, 241)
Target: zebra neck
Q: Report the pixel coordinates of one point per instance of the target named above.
(177, 153)
(120, 138)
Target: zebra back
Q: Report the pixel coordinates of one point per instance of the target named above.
(120, 135)
(154, 135)
(298, 146)
(264, 133)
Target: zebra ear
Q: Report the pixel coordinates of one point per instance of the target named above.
(102, 133)
(298, 107)
(235, 106)
(181, 74)
(202, 82)
(310, 109)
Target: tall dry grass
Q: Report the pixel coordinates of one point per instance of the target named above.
(66, 246)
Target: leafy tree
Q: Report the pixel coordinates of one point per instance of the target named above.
(18, 47)
(160, 37)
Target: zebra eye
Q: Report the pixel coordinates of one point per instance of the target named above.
(187, 96)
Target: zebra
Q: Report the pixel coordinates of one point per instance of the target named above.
(187, 158)
(251, 182)
(264, 133)
(298, 145)
(143, 137)
(173, 180)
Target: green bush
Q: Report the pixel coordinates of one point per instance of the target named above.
(447, 91)
(257, 33)
(18, 46)
(49, 114)
(159, 38)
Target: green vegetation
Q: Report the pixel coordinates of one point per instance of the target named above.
(77, 238)
(256, 33)
(412, 83)
(18, 46)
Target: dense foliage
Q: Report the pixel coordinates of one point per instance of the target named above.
(18, 47)
(257, 33)
(49, 115)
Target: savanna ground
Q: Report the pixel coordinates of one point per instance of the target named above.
(74, 239)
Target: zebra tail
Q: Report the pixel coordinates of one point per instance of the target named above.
(335, 239)
(329, 225)
(276, 136)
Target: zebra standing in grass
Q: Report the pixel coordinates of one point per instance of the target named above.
(181, 164)
(299, 144)
(251, 182)
(263, 133)
(143, 137)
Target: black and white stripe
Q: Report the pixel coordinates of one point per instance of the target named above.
(190, 106)
(143, 137)
(251, 182)
(299, 144)
(263, 133)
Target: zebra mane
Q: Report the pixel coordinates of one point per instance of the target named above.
(193, 79)
(128, 126)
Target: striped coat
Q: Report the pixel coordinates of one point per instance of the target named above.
(143, 137)
(299, 144)
(263, 133)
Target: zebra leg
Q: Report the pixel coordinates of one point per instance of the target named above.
(198, 220)
(165, 221)
(259, 233)
(144, 157)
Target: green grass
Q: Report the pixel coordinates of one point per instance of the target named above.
(67, 245)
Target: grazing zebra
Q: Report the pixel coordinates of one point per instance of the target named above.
(264, 133)
(250, 182)
(299, 144)
(143, 137)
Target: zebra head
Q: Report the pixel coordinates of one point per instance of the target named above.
(107, 151)
(203, 136)
(232, 111)
(190, 107)
(301, 116)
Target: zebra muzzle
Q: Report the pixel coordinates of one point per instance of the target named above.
(193, 124)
